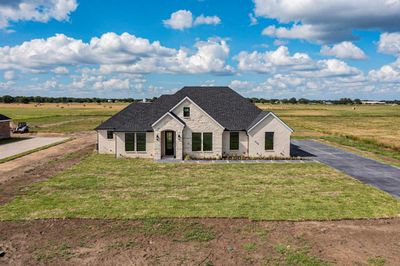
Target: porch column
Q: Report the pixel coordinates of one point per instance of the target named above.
(179, 145)
(157, 145)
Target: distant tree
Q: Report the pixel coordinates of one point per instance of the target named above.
(293, 100)
(304, 101)
(8, 99)
(357, 101)
(25, 100)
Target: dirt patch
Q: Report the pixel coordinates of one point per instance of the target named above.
(17, 174)
(199, 242)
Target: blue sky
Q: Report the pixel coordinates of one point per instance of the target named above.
(272, 49)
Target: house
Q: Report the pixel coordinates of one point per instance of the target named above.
(5, 127)
(200, 122)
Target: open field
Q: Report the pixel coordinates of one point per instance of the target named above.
(101, 186)
(61, 118)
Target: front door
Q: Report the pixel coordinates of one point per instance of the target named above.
(169, 143)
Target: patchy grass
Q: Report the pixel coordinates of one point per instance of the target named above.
(293, 256)
(376, 261)
(101, 186)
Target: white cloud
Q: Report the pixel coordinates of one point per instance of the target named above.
(207, 20)
(269, 61)
(326, 20)
(113, 83)
(240, 85)
(9, 75)
(183, 19)
(60, 70)
(344, 50)
(389, 43)
(35, 10)
(253, 19)
(282, 61)
(387, 73)
(112, 52)
(179, 20)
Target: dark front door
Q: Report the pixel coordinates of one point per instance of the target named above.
(169, 143)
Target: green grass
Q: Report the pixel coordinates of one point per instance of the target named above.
(101, 186)
(294, 257)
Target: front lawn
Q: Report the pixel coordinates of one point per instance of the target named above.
(104, 187)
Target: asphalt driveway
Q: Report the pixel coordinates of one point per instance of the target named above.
(20, 146)
(374, 173)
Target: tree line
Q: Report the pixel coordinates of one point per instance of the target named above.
(293, 100)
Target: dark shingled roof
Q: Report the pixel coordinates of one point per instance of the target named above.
(226, 106)
(3, 117)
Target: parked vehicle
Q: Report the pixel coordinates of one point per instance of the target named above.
(21, 128)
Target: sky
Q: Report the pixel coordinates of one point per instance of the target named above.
(316, 49)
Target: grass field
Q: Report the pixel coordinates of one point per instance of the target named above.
(101, 186)
(60, 118)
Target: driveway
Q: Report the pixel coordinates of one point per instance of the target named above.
(374, 173)
(20, 146)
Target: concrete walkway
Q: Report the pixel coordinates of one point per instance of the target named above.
(374, 173)
(233, 161)
(21, 146)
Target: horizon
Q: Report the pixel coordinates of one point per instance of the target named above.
(259, 48)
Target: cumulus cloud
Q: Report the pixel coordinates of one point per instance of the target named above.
(9, 75)
(60, 70)
(344, 50)
(389, 43)
(35, 10)
(387, 73)
(183, 19)
(328, 21)
(112, 52)
(281, 60)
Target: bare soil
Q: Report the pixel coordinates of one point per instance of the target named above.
(19, 173)
(236, 242)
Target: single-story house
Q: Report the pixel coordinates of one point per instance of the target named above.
(5, 127)
(195, 122)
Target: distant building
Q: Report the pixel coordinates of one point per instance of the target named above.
(373, 102)
(4, 127)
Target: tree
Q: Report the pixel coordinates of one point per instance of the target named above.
(293, 100)
(8, 99)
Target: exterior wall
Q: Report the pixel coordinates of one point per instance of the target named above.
(106, 146)
(199, 121)
(170, 124)
(281, 139)
(243, 144)
(4, 130)
(149, 153)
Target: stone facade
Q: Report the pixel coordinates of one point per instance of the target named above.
(4, 130)
(281, 139)
(199, 122)
(251, 143)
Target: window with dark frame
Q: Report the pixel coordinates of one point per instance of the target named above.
(269, 141)
(186, 111)
(110, 134)
(207, 141)
(141, 141)
(196, 141)
(129, 141)
(234, 141)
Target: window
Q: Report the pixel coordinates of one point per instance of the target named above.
(110, 135)
(129, 141)
(234, 141)
(186, 111)
(141, 141)
(269, 141)
(196, 141)
(207, 141)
